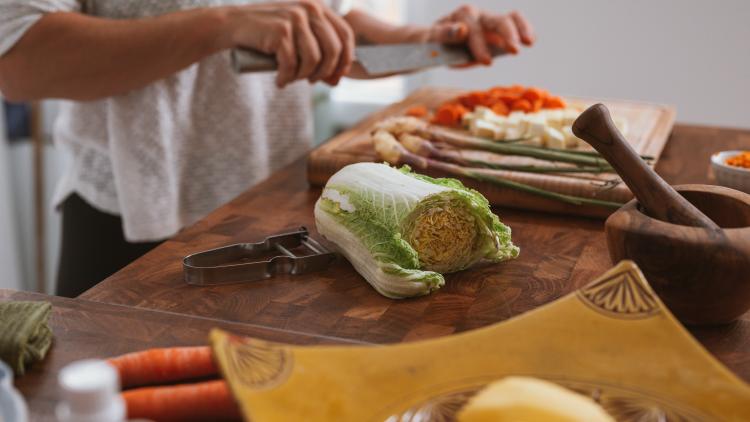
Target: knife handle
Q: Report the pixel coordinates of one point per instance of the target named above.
(245, 60)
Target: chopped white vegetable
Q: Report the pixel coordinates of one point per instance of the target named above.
(513, 132)
(484, 113)
(484, 128)
(571, 140)
(534, 126)
(467, 119)
(553, 138)
(569, 115)
(555, 118)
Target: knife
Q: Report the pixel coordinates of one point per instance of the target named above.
(376, 60)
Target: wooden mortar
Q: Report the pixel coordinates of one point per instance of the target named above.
(693, 243)
(703, 276)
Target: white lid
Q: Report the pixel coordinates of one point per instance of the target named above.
(90, 389)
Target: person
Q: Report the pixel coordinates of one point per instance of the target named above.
(161, 131)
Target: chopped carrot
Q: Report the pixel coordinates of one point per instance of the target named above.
(522, 105)
(554, 102)
(473, 99)
(434, 53)
(501, 108)
(449, 114)
(497, 91)
(204, 401)
(417, 111)
(157, 366)
(740, 160)
(533, 94)
(501, 99)
(509, 98)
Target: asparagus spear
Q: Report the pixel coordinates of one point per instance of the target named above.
(400, 125)
(390, 150)
(421, 146)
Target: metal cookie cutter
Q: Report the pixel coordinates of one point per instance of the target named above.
(287, 253)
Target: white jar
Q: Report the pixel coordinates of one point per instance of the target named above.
(90, 392)
(12, 406)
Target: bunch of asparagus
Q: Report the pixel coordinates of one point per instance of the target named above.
(414, 142)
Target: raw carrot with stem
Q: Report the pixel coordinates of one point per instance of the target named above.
(205, 401)
(160, 366)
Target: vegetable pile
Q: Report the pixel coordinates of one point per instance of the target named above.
(501, 100)
(740, 160)
(423, 146)
(401, 230)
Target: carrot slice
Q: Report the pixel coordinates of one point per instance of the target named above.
(501, 108)
(534, 94)
(206, 401)
(159, 366)
(417, 111)
(554, 102)
(473, 99)
(449, 114)
(522, 105)
(536, 105)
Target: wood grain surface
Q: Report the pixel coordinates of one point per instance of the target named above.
(649, 126)
(84, 329)
(558, 254)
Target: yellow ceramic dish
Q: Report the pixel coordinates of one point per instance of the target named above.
(613, 340)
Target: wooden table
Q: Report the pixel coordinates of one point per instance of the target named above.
(558, 254)
(84, 329)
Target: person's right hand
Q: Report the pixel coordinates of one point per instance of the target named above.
(308, 39)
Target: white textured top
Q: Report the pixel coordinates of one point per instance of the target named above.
(166, 155)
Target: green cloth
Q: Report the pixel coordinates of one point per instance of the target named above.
(25, 336)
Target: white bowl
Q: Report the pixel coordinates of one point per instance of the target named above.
(730, 176)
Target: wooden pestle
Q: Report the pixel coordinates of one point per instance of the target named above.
(657, 197)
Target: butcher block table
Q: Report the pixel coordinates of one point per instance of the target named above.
(84, 330)
(558, 255)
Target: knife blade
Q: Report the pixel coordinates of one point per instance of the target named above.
(376, 60)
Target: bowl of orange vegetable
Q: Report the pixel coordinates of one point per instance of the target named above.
(732, 169)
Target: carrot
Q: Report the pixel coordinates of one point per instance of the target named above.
(473, 99)
(554, 102)
(533, 94)
(497, 91)
(449, 114)
(536, 105)
(203, 401)
(522, 105)
(417, 111)
(501, 108)
(157, 366)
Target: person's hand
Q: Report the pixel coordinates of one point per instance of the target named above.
(308, 39)
(481, 29)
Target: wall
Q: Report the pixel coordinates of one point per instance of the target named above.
(690, 53)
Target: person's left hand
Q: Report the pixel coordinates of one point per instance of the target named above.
(481, 29)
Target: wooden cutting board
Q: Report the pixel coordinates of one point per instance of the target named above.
(649, 126)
